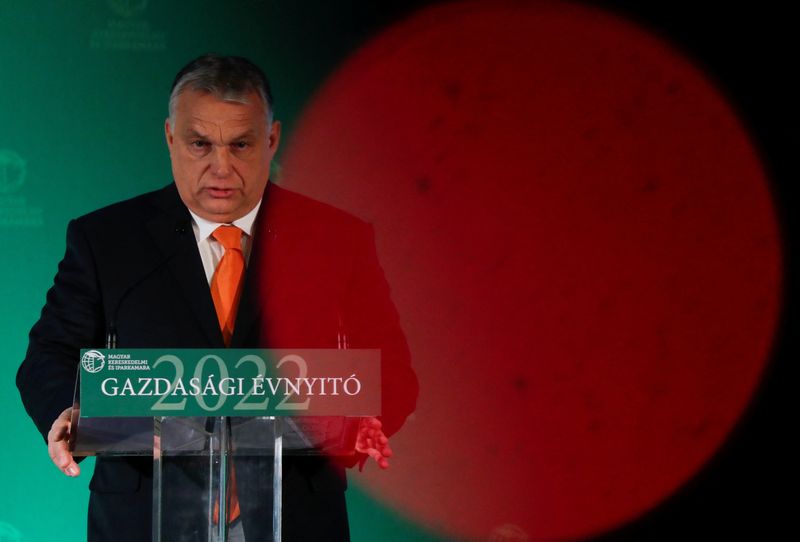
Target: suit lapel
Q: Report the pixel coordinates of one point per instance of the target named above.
(249, 310)
(171, 231)
(249, 307)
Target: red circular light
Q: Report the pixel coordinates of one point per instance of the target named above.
(581, 244)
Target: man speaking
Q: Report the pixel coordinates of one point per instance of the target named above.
(220, 258)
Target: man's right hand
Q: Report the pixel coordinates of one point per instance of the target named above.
(58, 444)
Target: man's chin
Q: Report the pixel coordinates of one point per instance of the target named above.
(218, 210)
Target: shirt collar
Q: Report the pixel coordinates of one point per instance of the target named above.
(204, 228)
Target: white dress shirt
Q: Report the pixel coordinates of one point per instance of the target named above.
(210, 249)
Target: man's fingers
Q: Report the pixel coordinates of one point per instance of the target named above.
(59, 454)
(373, 442)
(57, 435)
(63, 459)
(57, 445)
(379, 454)
(379, 458)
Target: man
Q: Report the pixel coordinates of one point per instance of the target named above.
(146, 271)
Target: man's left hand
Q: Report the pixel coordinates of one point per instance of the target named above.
(373, 442)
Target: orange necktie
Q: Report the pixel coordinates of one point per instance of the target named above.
(226, 284)
(226, 288)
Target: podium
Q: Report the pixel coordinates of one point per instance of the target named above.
(216, 476)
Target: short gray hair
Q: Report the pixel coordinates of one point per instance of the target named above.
(229, 78)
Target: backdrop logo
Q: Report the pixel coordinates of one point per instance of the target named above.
(93, 361)
(12, 171)
(8, 533)
(14, 209)
(128, 29)
(127, 8)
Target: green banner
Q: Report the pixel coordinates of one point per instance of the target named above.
(229, 382)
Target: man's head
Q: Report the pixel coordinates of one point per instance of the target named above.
(221, 136)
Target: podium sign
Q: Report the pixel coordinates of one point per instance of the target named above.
(205, 414)
(229, 382)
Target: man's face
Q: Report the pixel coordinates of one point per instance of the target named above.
(220, 153)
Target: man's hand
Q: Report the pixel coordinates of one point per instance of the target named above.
(373, 442)
(58, 444)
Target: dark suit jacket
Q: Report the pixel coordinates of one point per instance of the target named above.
(134, 268)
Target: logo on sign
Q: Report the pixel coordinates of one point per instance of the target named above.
(93, 361)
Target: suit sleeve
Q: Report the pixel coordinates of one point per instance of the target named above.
(371, 321)
(71, 319)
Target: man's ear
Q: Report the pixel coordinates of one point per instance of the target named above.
(275, 135)
(168, 134)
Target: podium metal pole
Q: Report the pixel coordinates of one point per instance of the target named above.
(277, 480)
(224, 424)
(157, 478)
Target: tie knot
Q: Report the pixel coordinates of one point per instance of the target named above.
(228, 236)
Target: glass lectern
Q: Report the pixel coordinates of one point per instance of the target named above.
(211, 471)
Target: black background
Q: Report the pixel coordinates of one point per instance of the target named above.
(747, 491)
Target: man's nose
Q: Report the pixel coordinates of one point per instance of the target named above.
(221, 161)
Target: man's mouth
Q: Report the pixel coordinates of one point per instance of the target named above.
(216, 192)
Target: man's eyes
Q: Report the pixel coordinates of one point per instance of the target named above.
(203, 145)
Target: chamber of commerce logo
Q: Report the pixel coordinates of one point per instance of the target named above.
(127, 8)
(128, 29)
(93, 361)
(14, 209)
(12, 171)
(8, 533)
